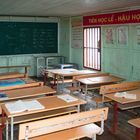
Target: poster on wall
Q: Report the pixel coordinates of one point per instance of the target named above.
(76, 33)
(138, 35)
(122, 35)
(109, 36)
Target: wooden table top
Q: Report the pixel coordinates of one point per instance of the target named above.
(123, 100)
(28, 83)
(27, 92)
(70, 72)
(100, 80)
(50, 103)
(135, 122)
(20, 66)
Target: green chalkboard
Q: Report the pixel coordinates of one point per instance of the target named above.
(28, 38)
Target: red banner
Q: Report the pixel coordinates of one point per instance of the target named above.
(113, 18)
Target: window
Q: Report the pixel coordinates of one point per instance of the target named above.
(92, 48)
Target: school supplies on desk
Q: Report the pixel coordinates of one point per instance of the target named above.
(67, 98)
(21, 106)
(3, 96)
(125, 95)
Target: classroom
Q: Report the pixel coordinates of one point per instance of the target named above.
(69, 69)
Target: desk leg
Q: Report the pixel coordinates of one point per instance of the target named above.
(94, 137)
(137, 133)
(115, 117)
(62, 83)
(12, 128)
(3, 115)
(86, 92)
(0, 133)
(45, 77)
(2, 125)
(7, 133)
(78, 107)
(55, 80)
(26, 72)
(57, 83)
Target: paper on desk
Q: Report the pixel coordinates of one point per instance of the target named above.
(125, 95)
(85, 71)
(21, 106)
(119, 94)
(67, 98)
(130, 96)
(33, 105)
(16, 107)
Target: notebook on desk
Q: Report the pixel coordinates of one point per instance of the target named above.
(21, 106)
(125, 95)
(67, 98)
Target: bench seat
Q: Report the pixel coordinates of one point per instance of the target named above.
(15, 74)
(71, 134)
(10, 75)
(135, 122)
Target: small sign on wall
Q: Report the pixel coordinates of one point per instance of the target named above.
(109, 36)
(138, 35)
(76, 33)
(122, 35)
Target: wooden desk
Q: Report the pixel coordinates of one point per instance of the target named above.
(60, 74)
(50, 103)
(28, 92)
(14, 74)
(122, 101)
(28, 83)
(98, 81)
(136, 124)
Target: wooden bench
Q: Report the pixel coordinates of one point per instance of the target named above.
(75, 85)
(126, 86)
(73, 126)
(28, 83)
(38, 116)
(9, 75)
(136, 124)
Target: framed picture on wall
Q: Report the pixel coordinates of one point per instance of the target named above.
(122, 33)
(138, 36)
(109, 36)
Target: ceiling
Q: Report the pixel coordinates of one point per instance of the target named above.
(63, 7)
